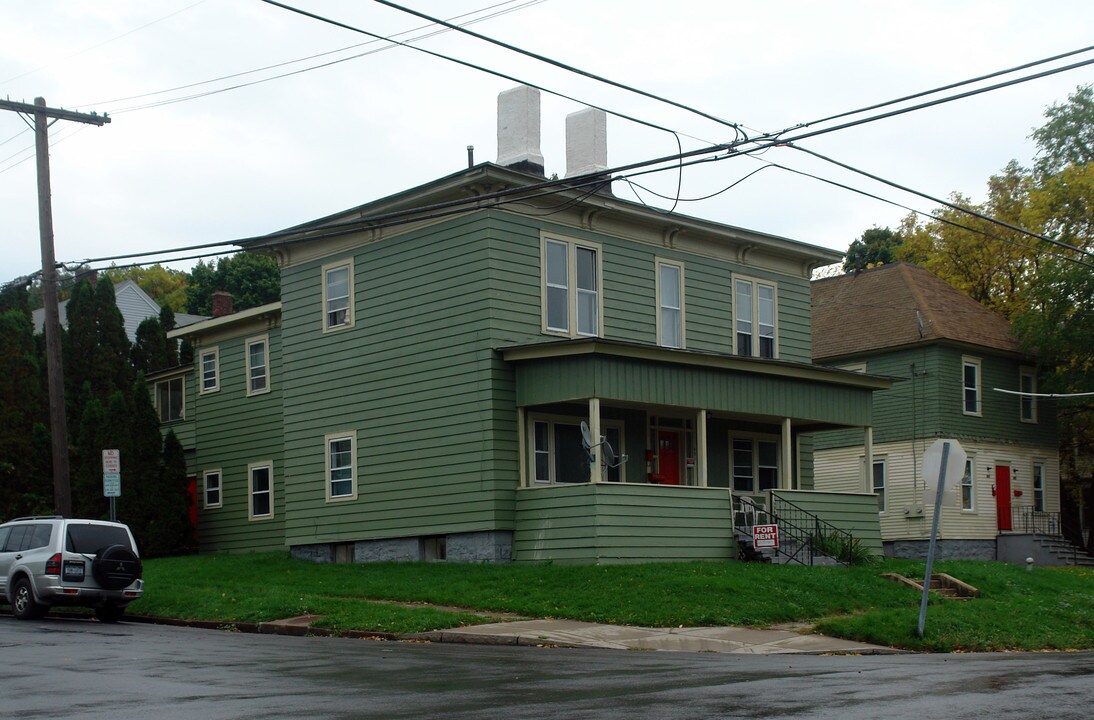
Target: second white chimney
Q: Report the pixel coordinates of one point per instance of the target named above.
(586, 142)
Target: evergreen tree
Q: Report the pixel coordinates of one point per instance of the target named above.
(92, 437)
(174, 533)
(167, 324)
(150, 351)
(21, 402)
(252, 279)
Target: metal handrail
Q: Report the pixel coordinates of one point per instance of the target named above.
(1026, 519)
(821, 528)
(801, 543)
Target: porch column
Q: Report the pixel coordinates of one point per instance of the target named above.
(788, 456)
(701, 448)
(594, 429)
(868, 449)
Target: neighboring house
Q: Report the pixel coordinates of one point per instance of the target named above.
(135, 306)
(419, 391)
(949, 357)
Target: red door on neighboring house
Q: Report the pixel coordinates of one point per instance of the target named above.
(668, 457)
(1002, 496)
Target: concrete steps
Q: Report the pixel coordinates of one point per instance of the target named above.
(1065, 551)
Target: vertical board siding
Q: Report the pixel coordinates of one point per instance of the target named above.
(854, 513)
(613, 523)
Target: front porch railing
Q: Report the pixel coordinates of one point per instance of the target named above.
(1026, 519)
(803, 537)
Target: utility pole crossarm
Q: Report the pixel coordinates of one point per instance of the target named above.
(89, 118)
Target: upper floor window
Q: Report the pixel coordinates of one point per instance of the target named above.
(755, 464)
(338, 295)
(341, 465)
(1027, 383)
(209, 367)
(169, 399)
(878, 483)
(571, 287)
(258, 365)
(261, 491)
(212, 489)
(754, 313)
(970, 381)
(670, 304)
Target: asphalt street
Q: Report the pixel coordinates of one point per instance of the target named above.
(63, 668)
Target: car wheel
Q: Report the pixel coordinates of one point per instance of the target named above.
(116, 567)
(23, 605)
(109, 613)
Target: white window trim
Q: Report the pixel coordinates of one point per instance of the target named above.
(350, 435)
(1029, 372)
(265, 340)
(571, 285)
(756, 313)
(756, 438)
(1033, 484)
(182, 401)
(967, 361)
(883, 461)
(971, 460)
(859, 367)
(205, 489)
(251, 490)
(659, 262)
(350, 313)
(202, 353)
(551, 420)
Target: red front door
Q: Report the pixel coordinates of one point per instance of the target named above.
(1002, 496)
(668, 457)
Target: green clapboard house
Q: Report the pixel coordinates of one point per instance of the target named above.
(419, 392)
(957, 374)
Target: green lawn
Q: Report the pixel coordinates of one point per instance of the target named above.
(1044, 609)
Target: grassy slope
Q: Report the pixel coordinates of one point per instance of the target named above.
(1048, 608)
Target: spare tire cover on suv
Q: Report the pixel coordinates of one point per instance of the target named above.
(116, 567)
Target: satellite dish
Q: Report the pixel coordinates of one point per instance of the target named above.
(609, 454)
(586, 436)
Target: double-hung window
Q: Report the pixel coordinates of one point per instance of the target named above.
(1027, 383)
(571, 287)
(970, 384)
(558, 454)
(755, 464)
(967, 487)
(209, 365)
(1039, 487)
(212, 489)
(338, 296)
(261, 505)
(755, 306)
(670, 304)
(341, 465)
(258, 365)
(169, 399)
(878, 483)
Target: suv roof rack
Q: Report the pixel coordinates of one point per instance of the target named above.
(38, 517)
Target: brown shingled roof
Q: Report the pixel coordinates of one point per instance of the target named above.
(876, 309)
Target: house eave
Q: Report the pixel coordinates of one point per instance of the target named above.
(222, 322)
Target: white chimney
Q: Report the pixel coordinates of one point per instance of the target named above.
(586, 142)
(518, 130)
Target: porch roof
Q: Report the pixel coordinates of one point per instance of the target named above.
(574, 370)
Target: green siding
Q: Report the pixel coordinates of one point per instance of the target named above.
(854, 512)
(614, 523)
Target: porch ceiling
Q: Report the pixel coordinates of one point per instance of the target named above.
(814, 397)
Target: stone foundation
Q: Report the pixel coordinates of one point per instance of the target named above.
(944, 549)
(491, 546)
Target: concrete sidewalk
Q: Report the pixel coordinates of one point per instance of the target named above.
(570, 633)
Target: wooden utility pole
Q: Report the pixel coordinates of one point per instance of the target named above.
(62, 492)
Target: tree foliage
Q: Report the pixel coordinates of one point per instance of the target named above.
(1067, 138)
(874, 247)
(252, 279)
(164, 285)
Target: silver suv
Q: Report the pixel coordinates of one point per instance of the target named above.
(47, 561)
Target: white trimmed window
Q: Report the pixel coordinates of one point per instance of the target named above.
(341, 466)
(212, 489)
(209, 367)
(169, 399)
(967, 486)
(878, 483)
(1027, 383)
(558, 454)
(970, 384)
(670, 304)
(261, 505)
(572, 301)
(338, 296)
(755, 464)
(754, 313)
(258, 365)
(1038, 487)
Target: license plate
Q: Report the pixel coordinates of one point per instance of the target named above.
(73, 571)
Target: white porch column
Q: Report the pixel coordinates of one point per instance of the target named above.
(594, 429)
(701, 448)
(522, 448)
(785, 482)
(868, 448)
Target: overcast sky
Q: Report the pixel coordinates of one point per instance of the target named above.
(260, 158)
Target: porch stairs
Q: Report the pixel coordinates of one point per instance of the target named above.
(1067, 552)
(800, 534)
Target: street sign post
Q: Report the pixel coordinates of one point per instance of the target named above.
(112, 477)
(943, 466)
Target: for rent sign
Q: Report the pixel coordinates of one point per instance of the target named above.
(765, 536)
